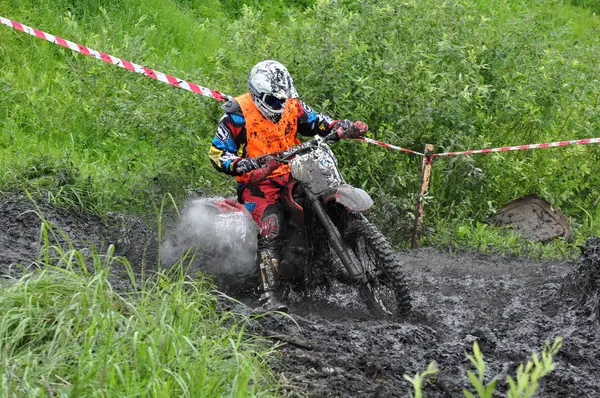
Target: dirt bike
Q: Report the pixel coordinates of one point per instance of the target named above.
(324, 216)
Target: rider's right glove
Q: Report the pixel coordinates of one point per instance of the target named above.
(257, 176)
(245, 165)
(346, 129)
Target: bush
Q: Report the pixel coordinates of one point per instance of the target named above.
(462, 74)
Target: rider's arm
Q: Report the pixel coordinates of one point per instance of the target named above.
(311, 122)
(226, 148)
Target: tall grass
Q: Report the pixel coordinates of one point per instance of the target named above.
(69, 122)
(66, 331)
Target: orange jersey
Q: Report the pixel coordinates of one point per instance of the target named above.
(248, 134)
(263, 136)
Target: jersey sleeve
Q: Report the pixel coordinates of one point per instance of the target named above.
(311, 122)
(227, 146)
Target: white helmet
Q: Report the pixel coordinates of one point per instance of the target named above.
(270, 85)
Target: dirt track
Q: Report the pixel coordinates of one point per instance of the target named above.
(511, 306)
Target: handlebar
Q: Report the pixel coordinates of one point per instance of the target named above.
(284, 156)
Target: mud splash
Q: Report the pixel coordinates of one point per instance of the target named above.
(222, 244)
(511, 306)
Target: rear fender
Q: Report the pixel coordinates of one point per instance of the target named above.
(225, 205)
(355, 199)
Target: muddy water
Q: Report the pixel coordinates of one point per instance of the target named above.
(511, 306)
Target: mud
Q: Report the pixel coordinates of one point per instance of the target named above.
(21, 240)
(583, 283)
(535, 218)
(511, 306)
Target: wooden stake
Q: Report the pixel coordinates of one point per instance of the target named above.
(425, 179)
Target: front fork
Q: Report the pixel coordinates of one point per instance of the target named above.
(339, 244)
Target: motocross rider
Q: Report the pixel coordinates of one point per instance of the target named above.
(263, 121)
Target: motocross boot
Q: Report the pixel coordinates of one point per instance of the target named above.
(269, 273)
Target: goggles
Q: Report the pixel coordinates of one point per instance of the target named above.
(273, 102)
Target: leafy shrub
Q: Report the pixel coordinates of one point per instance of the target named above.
(459, 75)
(590, 4)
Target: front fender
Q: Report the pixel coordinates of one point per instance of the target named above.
(355, 199)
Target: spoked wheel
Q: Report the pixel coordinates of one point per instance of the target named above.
(385, 291)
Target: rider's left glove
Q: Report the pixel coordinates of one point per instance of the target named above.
(346, 129)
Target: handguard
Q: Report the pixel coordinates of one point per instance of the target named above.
(259, 175)
(357, 130)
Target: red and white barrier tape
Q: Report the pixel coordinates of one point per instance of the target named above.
(383, 144)
(163, 77)
(195, 88)
(522, 147)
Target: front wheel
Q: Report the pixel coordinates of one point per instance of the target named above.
(385, 290)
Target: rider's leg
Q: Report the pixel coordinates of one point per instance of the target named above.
(262, 201)
(269, 244)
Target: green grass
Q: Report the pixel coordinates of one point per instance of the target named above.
(524, 385)
(463, 74)
(473, 236)
(65, 331)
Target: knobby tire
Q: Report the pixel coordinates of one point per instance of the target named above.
(378, 247)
